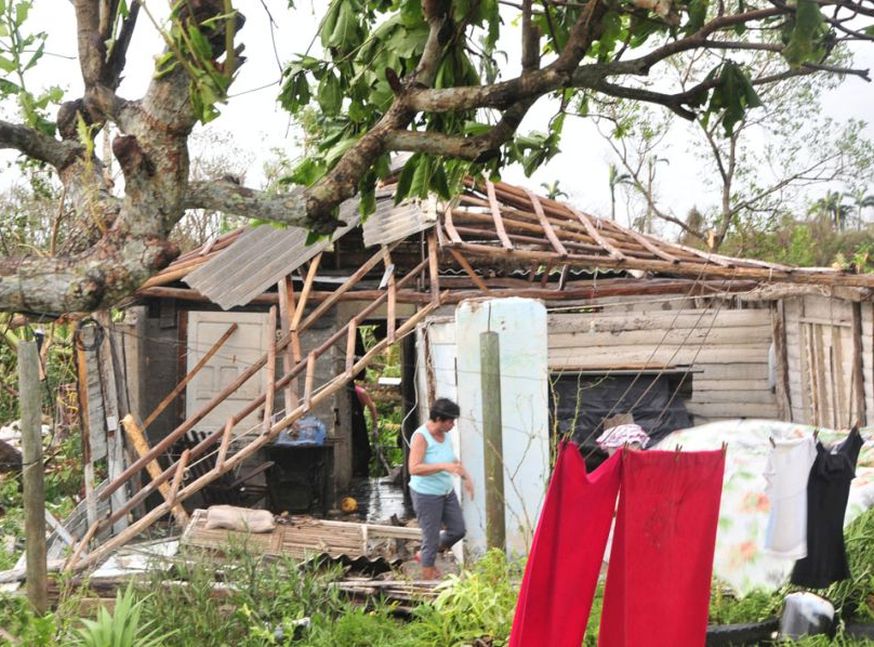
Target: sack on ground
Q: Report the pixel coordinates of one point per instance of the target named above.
(233, 518)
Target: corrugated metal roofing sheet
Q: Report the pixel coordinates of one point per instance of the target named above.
(259, 259)
(390, 223)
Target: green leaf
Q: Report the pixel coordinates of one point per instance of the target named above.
(732, 97)
(307, 173)
(809, 27)
(330, 95)
(697, 15)
(421, 182)
(202, 48)
(405, 179)
(7, 65)
(8, 87)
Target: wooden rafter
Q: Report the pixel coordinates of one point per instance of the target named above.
(466, 266)
(496, 216)
(450, 227)
(547, 226)
(595, 234)
(305, 292)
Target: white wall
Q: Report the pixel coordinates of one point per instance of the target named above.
(522, 328)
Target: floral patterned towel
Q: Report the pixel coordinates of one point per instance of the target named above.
(740, 559)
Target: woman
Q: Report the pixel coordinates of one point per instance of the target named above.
(432, 463)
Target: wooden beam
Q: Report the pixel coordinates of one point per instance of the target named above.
(496, 216)
(201, 447)
(778, 334)
(308, 382)
(271, 371)
(351, 339)
(547, 226)
(305, 292)
(597, 237)
(462, 261)
(450, 226)
(694, 269)
(332, 387)
(137, 439)
(181, 466)
(226, 443)
(392, 293)
(189, 376)
(860, 414)
(285, 289)
(433, 267)
(348, 284)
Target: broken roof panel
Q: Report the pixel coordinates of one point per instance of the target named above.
(259, 259)
(391, 223)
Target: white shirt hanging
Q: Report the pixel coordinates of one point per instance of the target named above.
(786, 473)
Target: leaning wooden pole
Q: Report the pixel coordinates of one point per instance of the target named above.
(339, 382)
(493, 452)
(32, 476)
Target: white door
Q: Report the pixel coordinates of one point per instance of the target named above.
(245, 347)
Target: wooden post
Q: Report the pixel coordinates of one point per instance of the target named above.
(858, 380)
(493, 452)
(778, 333)
(141, 446)
(285, 288)
(32, 476)
(271, 373)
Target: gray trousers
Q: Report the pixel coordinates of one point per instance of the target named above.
(432, 511)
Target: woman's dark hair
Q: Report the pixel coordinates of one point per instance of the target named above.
(444, 409)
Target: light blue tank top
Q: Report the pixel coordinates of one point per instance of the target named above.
(441, 482)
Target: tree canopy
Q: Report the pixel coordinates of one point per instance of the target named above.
(422, 76)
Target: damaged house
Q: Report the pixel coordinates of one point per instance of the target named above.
(244, 343)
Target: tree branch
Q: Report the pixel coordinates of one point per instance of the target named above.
(468, 148)
(37, 145)
(229, 197)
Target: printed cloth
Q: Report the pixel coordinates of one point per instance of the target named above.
(621, 435)
(741, 560)
(567, 552)
(658, 581)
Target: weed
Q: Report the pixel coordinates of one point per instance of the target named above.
(122, 627)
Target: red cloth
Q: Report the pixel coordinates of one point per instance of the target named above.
(658, 581)
(567, 552)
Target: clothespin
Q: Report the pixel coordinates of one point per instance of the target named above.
(773, 444)
(724, 447)
(677, 453)
(816, 434)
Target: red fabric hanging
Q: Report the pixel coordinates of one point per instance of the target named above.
(661, 561)
(566, 553)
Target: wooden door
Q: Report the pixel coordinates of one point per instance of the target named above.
(246, 346)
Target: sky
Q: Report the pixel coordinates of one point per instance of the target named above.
(258, 127)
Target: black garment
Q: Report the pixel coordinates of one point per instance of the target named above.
(360, 436)
(828, 490)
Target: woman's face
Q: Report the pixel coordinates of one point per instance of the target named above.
(446, 425)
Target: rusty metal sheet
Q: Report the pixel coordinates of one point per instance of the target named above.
(260, 258)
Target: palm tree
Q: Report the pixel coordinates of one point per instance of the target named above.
(552, 190)
(861, 200)
(614, 179)
(832, 206)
